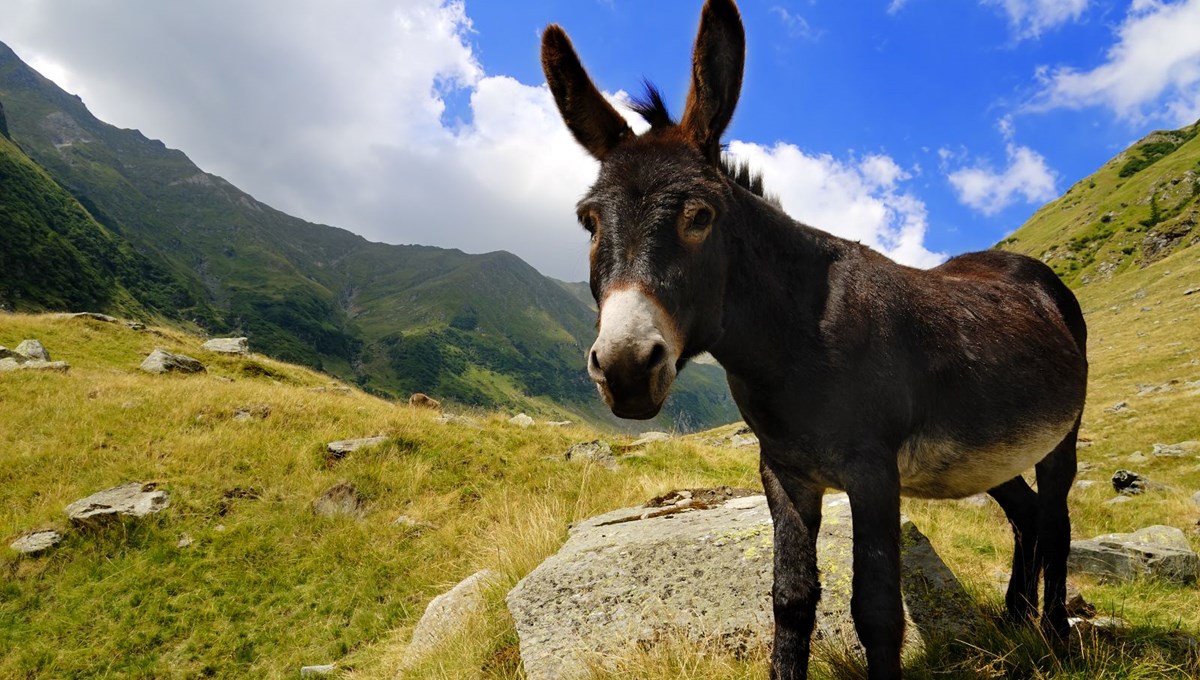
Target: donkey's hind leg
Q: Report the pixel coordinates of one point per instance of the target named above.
(1055, 474)
(1020, 505)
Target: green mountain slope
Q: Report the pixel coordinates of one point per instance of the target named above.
(483, 330)
(1134, 211)
(57, 256)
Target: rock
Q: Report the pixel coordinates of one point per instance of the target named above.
(1179, 450)
(185, 541)
(621, 581)
(419, 400)
(1119, 407)
(1124, 481)
(335, 389)
(1155, 551)
(6, 353)
(1078, 606)
(244, 414)
(521, 420)
(449, 614)
(94, 317)
(314, 671)
(596, 451)
(558, 423)
(1196, 498)
(10, 364)
(1191, 290)
(32, 349)
(161, 361)
(134, 499)
(35, 542)
(340, 499)
(738, 441)
(650, 438)
(979, 500)
(239, 346)
(1136, 457)
(135, 325)
(1085, 484)
(339, 449)
(1117, 500)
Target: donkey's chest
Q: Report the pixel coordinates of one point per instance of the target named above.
(941, 467)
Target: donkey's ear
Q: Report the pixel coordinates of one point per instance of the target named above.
(717, 65)
(594, 122)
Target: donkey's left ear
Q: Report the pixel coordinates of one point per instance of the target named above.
(717, 65)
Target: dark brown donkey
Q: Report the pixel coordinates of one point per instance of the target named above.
(855, 372)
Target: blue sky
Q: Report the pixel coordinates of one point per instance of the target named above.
(922, 127)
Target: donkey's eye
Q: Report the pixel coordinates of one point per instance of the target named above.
(695, 222)
(588, 220)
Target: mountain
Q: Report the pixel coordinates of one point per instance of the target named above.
(482, 330)
(1136, 210)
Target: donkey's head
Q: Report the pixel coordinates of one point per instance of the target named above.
(655, 214)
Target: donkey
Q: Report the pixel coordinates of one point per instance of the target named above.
(855, 372)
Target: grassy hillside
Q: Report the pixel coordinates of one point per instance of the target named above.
(480, 330)
(265, 587)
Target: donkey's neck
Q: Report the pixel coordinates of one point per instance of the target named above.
(777, 286)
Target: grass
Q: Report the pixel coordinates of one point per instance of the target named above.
(266, 587)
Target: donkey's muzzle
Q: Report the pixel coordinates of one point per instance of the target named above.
(633, 379)
(633, 360)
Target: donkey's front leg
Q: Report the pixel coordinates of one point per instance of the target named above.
(876, 604)
(796, 514)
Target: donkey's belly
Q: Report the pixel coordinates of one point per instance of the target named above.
(932, 467)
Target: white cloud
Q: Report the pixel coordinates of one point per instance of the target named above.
(383, 121)
(1031, 18)
(1027, 176)
(796, 25)
(1152, 71)
(858, 200)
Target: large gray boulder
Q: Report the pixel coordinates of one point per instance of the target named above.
(228, 345)
(10, 364)
(135, 499)
(162, 361)
(704, 572)
(343, 447)
(1153, 552)
(448, 614)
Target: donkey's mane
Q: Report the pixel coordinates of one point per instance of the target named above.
(651, 107)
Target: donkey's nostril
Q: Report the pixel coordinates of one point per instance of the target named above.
(594, 360)
(657, 354)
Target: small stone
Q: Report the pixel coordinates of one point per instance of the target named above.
(161, 361)
(521, 420)
(1124, 481)
(341, 499)
(1179, 450)
(1119, 407)
(1137, 457)
(135, 499)
(558, 423)
(455, 419)
(244, 414)
(313, 671)
(32, 349)
(340, 449)
(1117, 500)
(596, 451)
(1196, 498)
(135, 325)
(1077, 606)
(10, 364)
(650, 438)
(35, 542)
(184, 541)
(240, 346)
(979, 500)
(1085, 484)
(1191, 290)
(739, 441)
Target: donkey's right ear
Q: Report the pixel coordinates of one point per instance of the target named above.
(594, 122)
